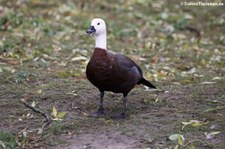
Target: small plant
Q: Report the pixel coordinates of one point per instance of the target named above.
(179, 138)
(57, 116)
(7, 140)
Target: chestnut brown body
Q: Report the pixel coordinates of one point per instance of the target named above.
(112, 72)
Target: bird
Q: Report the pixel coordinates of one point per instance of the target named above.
(109, 71)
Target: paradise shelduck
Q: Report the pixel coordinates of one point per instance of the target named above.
(110, 71)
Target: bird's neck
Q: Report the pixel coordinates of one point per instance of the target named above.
(100, 41)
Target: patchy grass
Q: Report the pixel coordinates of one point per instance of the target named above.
(44, 51)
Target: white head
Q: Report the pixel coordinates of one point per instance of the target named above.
(98, 29)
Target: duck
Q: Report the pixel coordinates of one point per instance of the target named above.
(110, 71)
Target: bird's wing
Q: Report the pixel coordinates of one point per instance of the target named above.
(126, 62)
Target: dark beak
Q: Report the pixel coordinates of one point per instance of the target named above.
(91, 30)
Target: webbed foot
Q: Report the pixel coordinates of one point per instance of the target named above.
(99, 113)
(121, 116)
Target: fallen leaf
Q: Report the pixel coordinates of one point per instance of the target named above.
(40, 130)
(180, 140)
(54, 111)
(216, 78)
(211, 135)
(176, 147)
(174, 137)
(207, 83)
(79, 58)
(33, 104)
(40, 92)
(186, 81)
(13, 62)
(57, 119)
(60, 115)
(194, 123)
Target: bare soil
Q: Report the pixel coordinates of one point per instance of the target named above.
(153, 116)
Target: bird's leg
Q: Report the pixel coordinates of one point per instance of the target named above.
(101, 110)
(123, 114)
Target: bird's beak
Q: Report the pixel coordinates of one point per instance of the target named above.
(91, 30)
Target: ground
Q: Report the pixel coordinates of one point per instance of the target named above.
(44, 52)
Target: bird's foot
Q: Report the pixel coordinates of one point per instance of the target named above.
(99, 113)
(121, 116)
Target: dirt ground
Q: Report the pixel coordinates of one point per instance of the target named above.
(44, 52)
(153, 116)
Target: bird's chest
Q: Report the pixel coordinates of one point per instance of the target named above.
(99, 69)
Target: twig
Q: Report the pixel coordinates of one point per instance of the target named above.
(48, 119)
(193, 141)
(215, 109)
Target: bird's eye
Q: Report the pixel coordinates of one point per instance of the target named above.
(98, 24)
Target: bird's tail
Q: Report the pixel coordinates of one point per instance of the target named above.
(146, 83)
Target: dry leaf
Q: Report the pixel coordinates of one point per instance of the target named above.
(79, 58)
(216, 78)
(211, 135)
(54, 111)
(33, 104)
(207, 83)
(60, 115)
